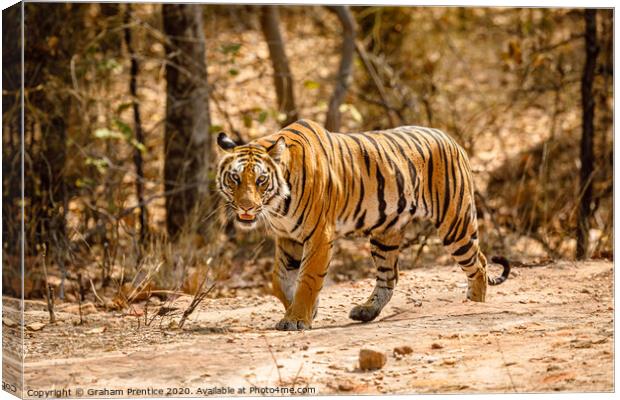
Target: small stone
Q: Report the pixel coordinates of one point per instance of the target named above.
(345, 386)
(9, 322)
(100, 329)
(449, 361)
(154, 300)
(403, 350)
(35, 326)
(436, 346)
(173, 324)
(371, 359)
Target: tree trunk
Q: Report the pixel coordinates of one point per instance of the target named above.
(187, 141)
(137, 152)
(332, 121)
(49, 44)
(11, 136)
(282, 77)
(12, 152)
(587, 136)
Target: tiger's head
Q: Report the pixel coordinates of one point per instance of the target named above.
(250, 179)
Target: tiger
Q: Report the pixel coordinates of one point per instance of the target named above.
(311, 187)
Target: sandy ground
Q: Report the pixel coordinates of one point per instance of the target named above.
(547, 328)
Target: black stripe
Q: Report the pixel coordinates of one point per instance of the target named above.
(446, 192)
(383, 247)
(381, 198)
(360, 222)
(301, 216)
(359, 201)
(374, 254)
(457, 215)
(303, 178)
(375, 144)
(364, 153)
(469, 261)
(348, 178)
(463, 249)
(429, 182)
(318, 221)
(291, 262)
(466, 223)
(298, 133)
(318, 137)
(400, 185)
(287, 200)
(392, 222)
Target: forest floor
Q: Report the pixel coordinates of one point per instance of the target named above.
(548, 328)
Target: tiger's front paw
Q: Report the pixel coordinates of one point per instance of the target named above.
(293, 324)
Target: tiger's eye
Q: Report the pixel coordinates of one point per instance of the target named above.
(261, 179)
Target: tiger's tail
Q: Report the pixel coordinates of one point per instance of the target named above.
(500, 279)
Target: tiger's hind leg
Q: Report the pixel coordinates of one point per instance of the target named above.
(385, 250)
(464, 248)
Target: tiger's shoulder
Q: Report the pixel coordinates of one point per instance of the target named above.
(303, 131)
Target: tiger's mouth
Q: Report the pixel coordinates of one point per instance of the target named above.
(245, 221)
(246, 217)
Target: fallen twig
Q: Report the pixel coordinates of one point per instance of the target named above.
(273, 357)
(92, 286)
(198, 298)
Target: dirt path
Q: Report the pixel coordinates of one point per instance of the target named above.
(546, 329)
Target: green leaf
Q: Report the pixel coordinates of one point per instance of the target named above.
(123, 107)
(138, 145)
(107, 134)
(109, 64)
(101, 164)
(262, 116)
(230, 48)
(350, 108)
(312, 85)
(357, 116)
(84, 182)
(124, 128)
(233, 72)
(216, 129)
(247, 120)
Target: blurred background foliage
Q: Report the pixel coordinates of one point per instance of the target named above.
(122, 101)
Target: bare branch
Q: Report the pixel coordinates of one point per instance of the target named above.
(332, 120)
(282, 76)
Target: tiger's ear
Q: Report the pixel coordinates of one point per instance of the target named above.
(225, 142)
(277, 149)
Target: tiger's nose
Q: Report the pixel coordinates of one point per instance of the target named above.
(246, 205)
